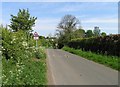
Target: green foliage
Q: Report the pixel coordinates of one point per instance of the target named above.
(110, 61)
(66, 27)
(27, 72)
(89, 33)
(18, 64)
(45, 42)
(103, 34)
(96, 32)
(80, 33)
(39, 53)
(14, 44)
(108, 45)
(23, 21)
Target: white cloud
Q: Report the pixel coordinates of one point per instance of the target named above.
(101, 20)
(45, 26)
(46, 23)
(106, 24)
(69, 8)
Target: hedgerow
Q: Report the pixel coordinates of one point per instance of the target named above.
(108, 45)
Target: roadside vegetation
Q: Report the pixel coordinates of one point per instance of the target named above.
(70, 28)
(91, 44)
(22, 62)
(25, 64)
(107, 45)
(110, 61)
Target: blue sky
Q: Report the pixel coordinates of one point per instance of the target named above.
(90, 14)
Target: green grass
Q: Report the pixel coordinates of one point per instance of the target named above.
(110, 61)
(26, 72)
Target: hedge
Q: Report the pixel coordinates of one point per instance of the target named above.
(109, 45)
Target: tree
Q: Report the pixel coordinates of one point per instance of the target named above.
(89, 33)
(66, 27)
(79, 33)
(23, 21)
(96, 31)
(41, 37)
(103, 34)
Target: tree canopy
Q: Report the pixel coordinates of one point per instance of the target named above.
(79, 33)
(89, 33)
(23, 21)
(96, 31)
(66, 27)
(103, 34)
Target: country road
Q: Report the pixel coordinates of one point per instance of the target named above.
(70, 69)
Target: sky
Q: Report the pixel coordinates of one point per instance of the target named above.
(91, 14)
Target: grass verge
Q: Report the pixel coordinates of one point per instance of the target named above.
(110, 61)
(31, 71)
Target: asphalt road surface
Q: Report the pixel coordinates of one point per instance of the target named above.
(70, 69)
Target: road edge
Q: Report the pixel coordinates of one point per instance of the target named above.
(49, 73)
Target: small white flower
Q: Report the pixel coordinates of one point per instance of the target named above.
(19, 70)
(13, 39)
(3, 49)
(24, 43)
(10, 71)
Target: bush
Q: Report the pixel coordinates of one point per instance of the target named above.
(18, 66)
(14, 45)
(109, 45)
(39, 53)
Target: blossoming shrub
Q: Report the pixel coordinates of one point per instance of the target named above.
(39, 53)
(13, 45)
(17, 60)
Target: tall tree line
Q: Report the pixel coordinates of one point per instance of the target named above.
(70, 28)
